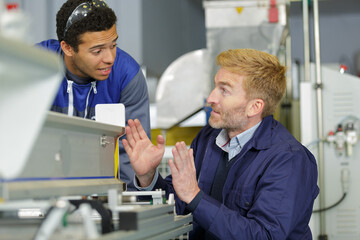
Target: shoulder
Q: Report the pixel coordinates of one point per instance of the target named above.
(272, 133)
(125, 70)
(280, 143)
(126, 62)
(50, 44)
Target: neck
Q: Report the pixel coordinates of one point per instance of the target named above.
(68, 63)
(251, 122)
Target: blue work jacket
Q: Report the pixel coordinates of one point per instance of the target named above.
(269, 191)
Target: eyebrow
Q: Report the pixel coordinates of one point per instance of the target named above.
(225, 83)
(102, 45)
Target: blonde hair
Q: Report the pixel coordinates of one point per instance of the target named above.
(264, 76)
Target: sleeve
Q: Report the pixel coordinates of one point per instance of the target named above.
(283, 196)
(150, 187)
(195, 202)
(135, 98)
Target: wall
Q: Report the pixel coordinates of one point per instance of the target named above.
(171, 28)
(339, 32)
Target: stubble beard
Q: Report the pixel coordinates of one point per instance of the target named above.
(231, 121)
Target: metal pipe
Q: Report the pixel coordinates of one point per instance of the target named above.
(319, 116)
(288, 59)
(306, 41)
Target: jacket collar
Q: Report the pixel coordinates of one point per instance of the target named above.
(262, 138)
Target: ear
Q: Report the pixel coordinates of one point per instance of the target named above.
(67, 49)
(255, 107)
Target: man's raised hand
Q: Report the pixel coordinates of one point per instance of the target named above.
(144, 156)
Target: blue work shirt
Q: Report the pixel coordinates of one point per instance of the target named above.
(269, 191)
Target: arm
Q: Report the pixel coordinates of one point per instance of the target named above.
(136, 101)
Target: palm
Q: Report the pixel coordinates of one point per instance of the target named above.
(144, 156)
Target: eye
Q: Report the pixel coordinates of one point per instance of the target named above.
(224, 91)
(114, 45)
(96, 52)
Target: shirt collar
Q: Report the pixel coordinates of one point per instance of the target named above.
(78, 80)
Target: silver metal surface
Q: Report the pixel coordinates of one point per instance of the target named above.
(243, 24)
(319, 101)
(146, 211)
(58, 188)
(183, 88)
(62, 121)
(68, 158)
(29, 77)
(305, 7)
(240, 13)
(156, 196)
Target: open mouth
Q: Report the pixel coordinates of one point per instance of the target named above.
(215, 112)
(105, 71)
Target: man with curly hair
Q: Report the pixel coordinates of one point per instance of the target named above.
(245, 176)
(97, 71)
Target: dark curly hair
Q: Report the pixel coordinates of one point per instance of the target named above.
(99, 19)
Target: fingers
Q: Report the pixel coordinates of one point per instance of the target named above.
(191, 154)
(160, 142)
(178, 162)
(184, 180)
(133, 127)
(182, 149)
(127, 148)
(129, 136)
(135, 132)
(140, 129)
(173, 169)
(183, 158)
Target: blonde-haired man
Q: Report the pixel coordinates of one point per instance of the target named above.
(245, 176)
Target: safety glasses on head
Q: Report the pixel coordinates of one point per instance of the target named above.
(82, 11)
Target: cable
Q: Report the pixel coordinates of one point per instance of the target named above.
(345, 178)
(349, 118)
(313, 142)
(332, 206)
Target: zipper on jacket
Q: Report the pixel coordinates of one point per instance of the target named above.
(71, 98)
(93, 87)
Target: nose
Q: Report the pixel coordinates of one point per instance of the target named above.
(211, 98)
(109, 56)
